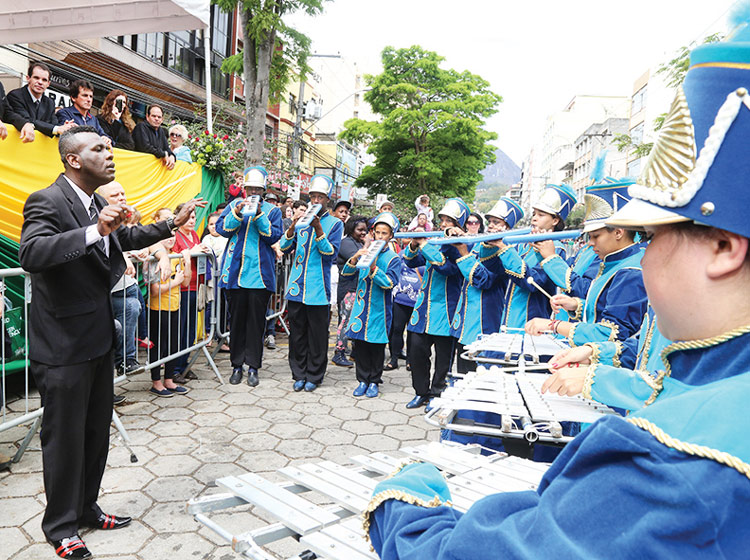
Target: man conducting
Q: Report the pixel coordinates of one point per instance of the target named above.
(72, 244)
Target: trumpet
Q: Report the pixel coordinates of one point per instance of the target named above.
(366, 260)
(251, 205)
(308, 216)
(549, 236)
(477, 238)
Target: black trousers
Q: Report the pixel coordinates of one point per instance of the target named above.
(419, 358)
(401, 315)
(77, 401)
(369, 364)
(163, 330)
(463, 366)
(308, 341)
(247, 316)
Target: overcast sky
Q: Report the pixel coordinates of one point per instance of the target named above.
(537, 54)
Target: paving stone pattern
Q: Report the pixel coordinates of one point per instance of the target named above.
(185, 443)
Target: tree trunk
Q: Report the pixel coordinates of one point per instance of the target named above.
(257, 66)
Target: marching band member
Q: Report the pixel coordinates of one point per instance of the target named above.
(523, 301)
(372, 314)
(248, 273)
(480, 305)
(309, 289)
(671, 479)
(616, 300)
(430, 322)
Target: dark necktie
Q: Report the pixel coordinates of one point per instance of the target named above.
(94, 214)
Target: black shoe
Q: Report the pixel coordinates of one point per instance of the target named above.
(252, 377)
(403, 356)
(270, 342)
(180, 378)
(190, 375)
(107, 522)
(339, 358)
(70, 547)
(236, 377)
(133, 367)
(118, 399)
(417, 401)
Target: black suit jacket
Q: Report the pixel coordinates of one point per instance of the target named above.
(21, 109)
(150, 140)
(2, 102)
(70, 316)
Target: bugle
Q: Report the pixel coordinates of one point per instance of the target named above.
(549, 236)
(308, 216)
(251, 205)
(366, 260)
(451, 240)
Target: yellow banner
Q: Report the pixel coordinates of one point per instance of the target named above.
(25, 168)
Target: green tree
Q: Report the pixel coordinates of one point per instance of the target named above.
(272, 51)
(430, 137)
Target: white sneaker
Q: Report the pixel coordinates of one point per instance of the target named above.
(270, 342)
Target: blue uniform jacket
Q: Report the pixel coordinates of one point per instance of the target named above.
(572, 275)
(440, 289)
(310, 279)
(480, 306)
(522, 301)
(249, 261)
(371, 316)
(616, 301)
(670, 481)
(624, 374)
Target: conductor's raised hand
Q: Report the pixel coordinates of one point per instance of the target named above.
(112, 217)
(188, 208)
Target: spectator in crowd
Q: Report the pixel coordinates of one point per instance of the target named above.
(422, 204)
(116, 121)
(82, 95)
(299, 207)
(287, 203)
(187, 240)
(164, 313)
(177, 136)
(150, 137)
(423, 224)
(355, 232)
(271, 198)
(3, 128)
(218, 244)
(341, 210)
(286, 215)
(474, 224)
(28, 109)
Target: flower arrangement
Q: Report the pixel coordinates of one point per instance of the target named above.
(214, 151)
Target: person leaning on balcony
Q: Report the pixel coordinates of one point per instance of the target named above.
(82, 95)
(116, 120)
(29, 110)
(151, 138)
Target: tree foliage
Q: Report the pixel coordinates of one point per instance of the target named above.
(430, 137)
(272, 52)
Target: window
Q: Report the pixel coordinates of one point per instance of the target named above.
(292, 104)
(150, 45)
(639, 101)
(221, 31)
(634, 168)
(636, 134)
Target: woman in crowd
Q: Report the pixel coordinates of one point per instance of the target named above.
(116, 121)
(177, 136)
(474, 224)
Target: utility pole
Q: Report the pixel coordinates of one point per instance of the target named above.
(297, 134)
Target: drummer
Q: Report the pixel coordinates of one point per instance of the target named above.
(616, 300)
(671, 480)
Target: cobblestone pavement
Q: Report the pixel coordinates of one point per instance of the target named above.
(185, 442)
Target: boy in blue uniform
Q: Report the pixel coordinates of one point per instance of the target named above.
(372, 314)
(438, 296)
(248, 273)
(671, 480)
(309, 288)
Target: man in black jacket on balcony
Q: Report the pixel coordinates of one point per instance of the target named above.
(151, 138)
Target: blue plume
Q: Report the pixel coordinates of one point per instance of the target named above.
(738, 21)
(597, 173)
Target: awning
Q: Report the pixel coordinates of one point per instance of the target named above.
(57, 20)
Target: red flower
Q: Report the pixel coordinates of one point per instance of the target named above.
(225, 137)
(231, 158)
(206, 132)
(215, 136)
